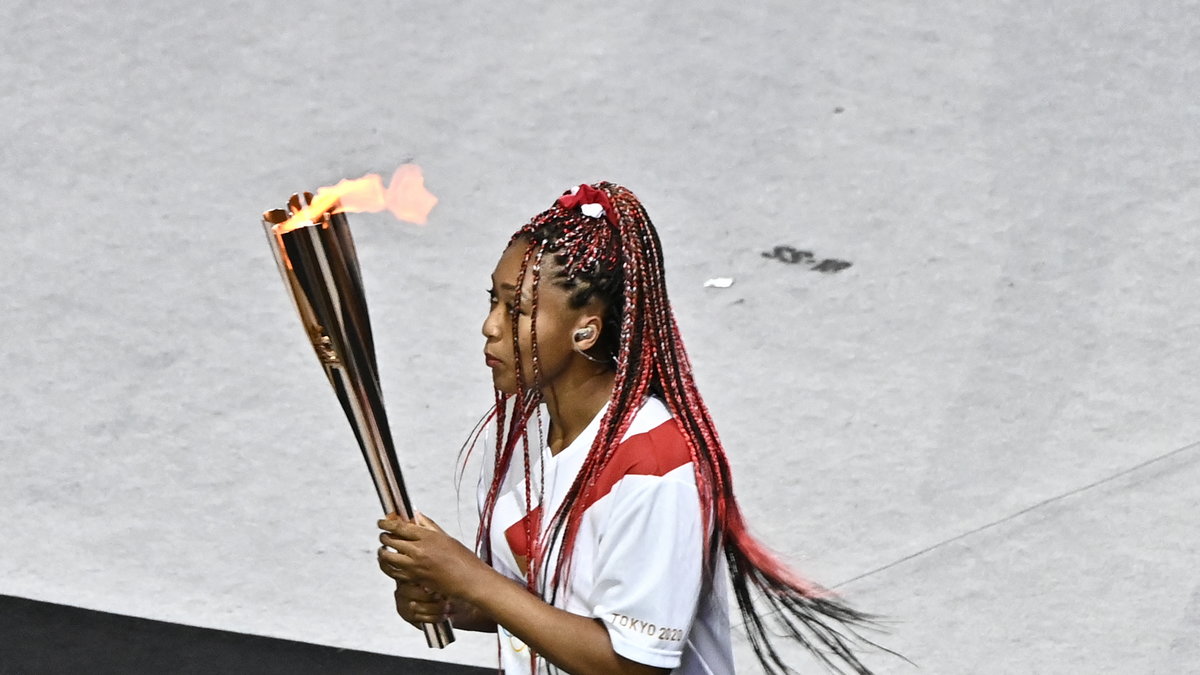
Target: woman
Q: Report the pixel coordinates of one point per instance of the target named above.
(603, 525)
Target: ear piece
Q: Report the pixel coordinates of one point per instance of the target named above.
(586, 333)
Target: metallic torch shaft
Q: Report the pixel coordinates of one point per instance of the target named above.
(319, 267)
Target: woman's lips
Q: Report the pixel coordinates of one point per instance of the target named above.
(491, 361)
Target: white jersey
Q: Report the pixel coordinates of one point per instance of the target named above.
(638, 559)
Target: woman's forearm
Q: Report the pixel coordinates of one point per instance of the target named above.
(575, 643)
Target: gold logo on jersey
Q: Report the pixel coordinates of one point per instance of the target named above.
(513, 641)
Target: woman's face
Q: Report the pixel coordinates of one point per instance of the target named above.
(556, 323)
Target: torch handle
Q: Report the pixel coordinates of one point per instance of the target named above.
(438, 635)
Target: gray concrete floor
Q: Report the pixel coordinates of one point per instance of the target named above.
(984, 429)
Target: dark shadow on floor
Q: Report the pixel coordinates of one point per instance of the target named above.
(38, 637)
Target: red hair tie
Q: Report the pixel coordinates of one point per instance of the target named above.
(590, 201)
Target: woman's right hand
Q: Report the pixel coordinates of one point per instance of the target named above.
(416, 605)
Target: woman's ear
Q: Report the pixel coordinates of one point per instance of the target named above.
(587, 333)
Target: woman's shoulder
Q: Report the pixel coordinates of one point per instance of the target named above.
(654, 445)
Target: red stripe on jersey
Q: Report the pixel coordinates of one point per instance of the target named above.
(517, 541)
(652, 453)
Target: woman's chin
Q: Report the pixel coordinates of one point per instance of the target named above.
(505, 385)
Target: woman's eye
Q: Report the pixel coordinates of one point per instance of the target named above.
(512, 306)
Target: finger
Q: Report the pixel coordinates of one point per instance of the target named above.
(435, 614)
(391, 540)
(395, 565)
(406, 529)
(395, 558)
(403, 546)
(427, 522)
(390, 523)
(395, 573)
(427, 608)
(409, 591)
(421, 612)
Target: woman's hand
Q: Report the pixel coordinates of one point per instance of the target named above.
(420, 554)
(416, 605)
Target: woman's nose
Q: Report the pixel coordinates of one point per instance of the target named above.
(491, 325)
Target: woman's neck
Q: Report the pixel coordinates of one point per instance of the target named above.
(574, 404)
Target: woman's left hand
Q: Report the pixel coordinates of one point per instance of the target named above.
(420, 552)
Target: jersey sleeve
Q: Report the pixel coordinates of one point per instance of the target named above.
(649, 567)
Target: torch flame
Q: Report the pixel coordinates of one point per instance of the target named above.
(405, 196)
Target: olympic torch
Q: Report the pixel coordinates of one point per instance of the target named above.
(315, 253)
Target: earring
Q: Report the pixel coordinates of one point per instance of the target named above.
(582, 334)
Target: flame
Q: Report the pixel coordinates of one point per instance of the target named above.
(405, 196)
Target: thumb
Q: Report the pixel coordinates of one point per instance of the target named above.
(426, 522)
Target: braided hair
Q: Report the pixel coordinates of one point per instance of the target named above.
(616, 257)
